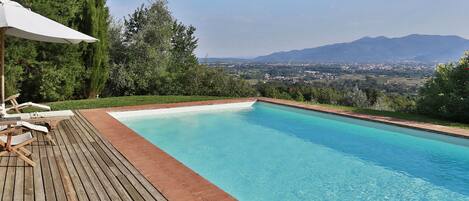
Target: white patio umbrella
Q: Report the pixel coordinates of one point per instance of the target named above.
(18, 21)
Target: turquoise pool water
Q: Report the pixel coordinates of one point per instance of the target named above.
(280, 153)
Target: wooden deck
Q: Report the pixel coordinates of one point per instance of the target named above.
(83, 166)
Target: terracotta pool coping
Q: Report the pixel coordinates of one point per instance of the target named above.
(178, 182)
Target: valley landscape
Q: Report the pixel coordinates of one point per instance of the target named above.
(392, 65)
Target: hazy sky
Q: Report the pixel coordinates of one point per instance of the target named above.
(247, 28)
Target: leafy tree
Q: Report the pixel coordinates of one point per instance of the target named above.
(355, 98)
(136, 22)
(149, 48)
(17, 55)
(215, 82)
(156, 56)
(183, 62)
(183, 45)
(446, 94)
(117, 48)
(32, 67)
(372, 95)
(140, 65)
(95, 22)
(382, 103)
(402, 103)
(325, 95)
(149, 53)
(120, 80)
(298, 96)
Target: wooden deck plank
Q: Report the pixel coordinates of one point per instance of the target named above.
(19, 181)
(114, 174)
(10, 180)
(98, 169)
(28, 181)
(3, 173)
(78, 182)
(39, 194)
(56, 176)
(83, 156)
(88, 182)
(68, 188)
(82, 166)
(46, 171)
(122, 163)
(133, 175)
(105, 163)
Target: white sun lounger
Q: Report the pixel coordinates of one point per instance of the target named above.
(37, 115)
(15, 106)
(28, 120)
(31, 127)
(51, 118)
(18, 108)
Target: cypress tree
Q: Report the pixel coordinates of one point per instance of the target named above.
(95, 22)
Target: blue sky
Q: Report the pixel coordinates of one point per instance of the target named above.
(247, 28)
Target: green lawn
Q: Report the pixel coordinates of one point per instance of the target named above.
(399, 115)
(124, 101)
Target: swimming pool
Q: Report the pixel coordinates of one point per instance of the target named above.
(272, 152)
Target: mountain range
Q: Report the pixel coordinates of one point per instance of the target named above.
(411, 48)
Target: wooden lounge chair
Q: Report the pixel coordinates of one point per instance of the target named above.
(13, 142)
(26, 126)
(51, 119)
(15, 106)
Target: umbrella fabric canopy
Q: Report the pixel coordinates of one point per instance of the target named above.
(23, 23)
(15, 20)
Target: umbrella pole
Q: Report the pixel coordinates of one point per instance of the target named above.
(2, 69)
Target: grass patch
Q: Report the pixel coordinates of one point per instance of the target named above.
(125, 101)
(399, 115)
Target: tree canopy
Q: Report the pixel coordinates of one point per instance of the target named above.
(446, 94)
(49, 72)
(150, 53)
(153, 53)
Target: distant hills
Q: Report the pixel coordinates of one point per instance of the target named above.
(411, 48)
(225, 60)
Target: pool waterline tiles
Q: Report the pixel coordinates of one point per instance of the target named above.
(311, 158)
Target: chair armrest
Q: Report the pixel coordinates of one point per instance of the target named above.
(8, 131)
(12, 97)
